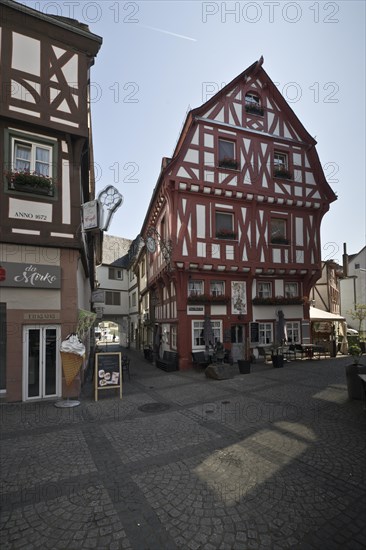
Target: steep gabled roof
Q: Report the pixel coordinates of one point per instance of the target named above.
(254, 69)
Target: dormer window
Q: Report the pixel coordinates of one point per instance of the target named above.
(253, 104)
(227, 154)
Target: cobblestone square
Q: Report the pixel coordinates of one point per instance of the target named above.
(274, 459)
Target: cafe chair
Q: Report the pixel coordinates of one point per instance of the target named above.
(125, 366)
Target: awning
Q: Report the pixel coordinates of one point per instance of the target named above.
(320, 315)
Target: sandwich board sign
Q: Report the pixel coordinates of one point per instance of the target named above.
(108, 372)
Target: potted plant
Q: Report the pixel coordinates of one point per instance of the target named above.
(354, 384)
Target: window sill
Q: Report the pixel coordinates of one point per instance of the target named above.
(30, 191)
(231, 168)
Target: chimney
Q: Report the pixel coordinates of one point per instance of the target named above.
(345, 260)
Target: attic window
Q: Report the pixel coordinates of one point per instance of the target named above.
(253, 104)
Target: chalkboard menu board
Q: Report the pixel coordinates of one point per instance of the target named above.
(254, 333)
(108, 372)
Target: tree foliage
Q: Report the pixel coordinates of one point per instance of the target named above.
(358, 314)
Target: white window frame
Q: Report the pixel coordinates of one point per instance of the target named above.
(115, 273)
(291, 289)
(264, 289)
(33, 146)
(217, 288)
(293, 328)
(218, 227)
(280, 160)
(198, 342)
(233, 157)
(195, 287)
(252, 98)
(265, 334)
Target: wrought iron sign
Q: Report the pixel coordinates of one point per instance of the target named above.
(153, 238)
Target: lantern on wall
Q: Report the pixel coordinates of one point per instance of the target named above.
(2, 274)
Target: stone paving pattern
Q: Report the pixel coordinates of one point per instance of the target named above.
(274, 459)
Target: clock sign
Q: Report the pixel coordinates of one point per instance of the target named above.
(151, 244)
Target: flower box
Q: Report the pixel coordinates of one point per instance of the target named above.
(282, 173)
(277, 301)
(228, 163)
(30, 183)
(225, 234)
(280, 240)
(207, 299)
(254, 109)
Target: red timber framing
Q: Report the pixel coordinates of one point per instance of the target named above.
(242, 201)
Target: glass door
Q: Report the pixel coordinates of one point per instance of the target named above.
(42, 375)
(237, 342)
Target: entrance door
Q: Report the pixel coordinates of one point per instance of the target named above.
(237, 342)
(41, 365)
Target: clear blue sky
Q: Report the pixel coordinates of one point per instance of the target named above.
(160, 58)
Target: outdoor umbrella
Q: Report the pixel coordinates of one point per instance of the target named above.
(281, 328)
(208, 333)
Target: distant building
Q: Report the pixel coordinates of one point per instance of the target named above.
(112, 304)
(46, 172)
(241, 201)
(353, 287)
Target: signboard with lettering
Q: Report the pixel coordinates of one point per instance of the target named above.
(108, 372)
(31, 275)
(91, 215)
(27, 210)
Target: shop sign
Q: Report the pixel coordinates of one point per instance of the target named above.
(41, 316)
(32, 275)
(195, 310)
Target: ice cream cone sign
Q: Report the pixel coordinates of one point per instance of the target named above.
(72, 355)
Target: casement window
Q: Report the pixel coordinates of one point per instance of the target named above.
(217, 288)
(133, 303)
(198, 336)
(265, 333)
(112, 298)
(227, 154)
(31, 164)
(195, 288)
(293, 332)
(115, 274)
(281, 165)
(224, 224)
(32, 157)
(278, 229)
(291, 290)
(264, 290)
(253, 104)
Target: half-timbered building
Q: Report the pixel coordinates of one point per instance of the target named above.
(45, 161)
(241, 201)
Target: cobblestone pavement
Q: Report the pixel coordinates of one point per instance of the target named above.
(274, 459)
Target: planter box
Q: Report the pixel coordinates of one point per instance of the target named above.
(244, 366)
(27, 188)
(277, 361)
